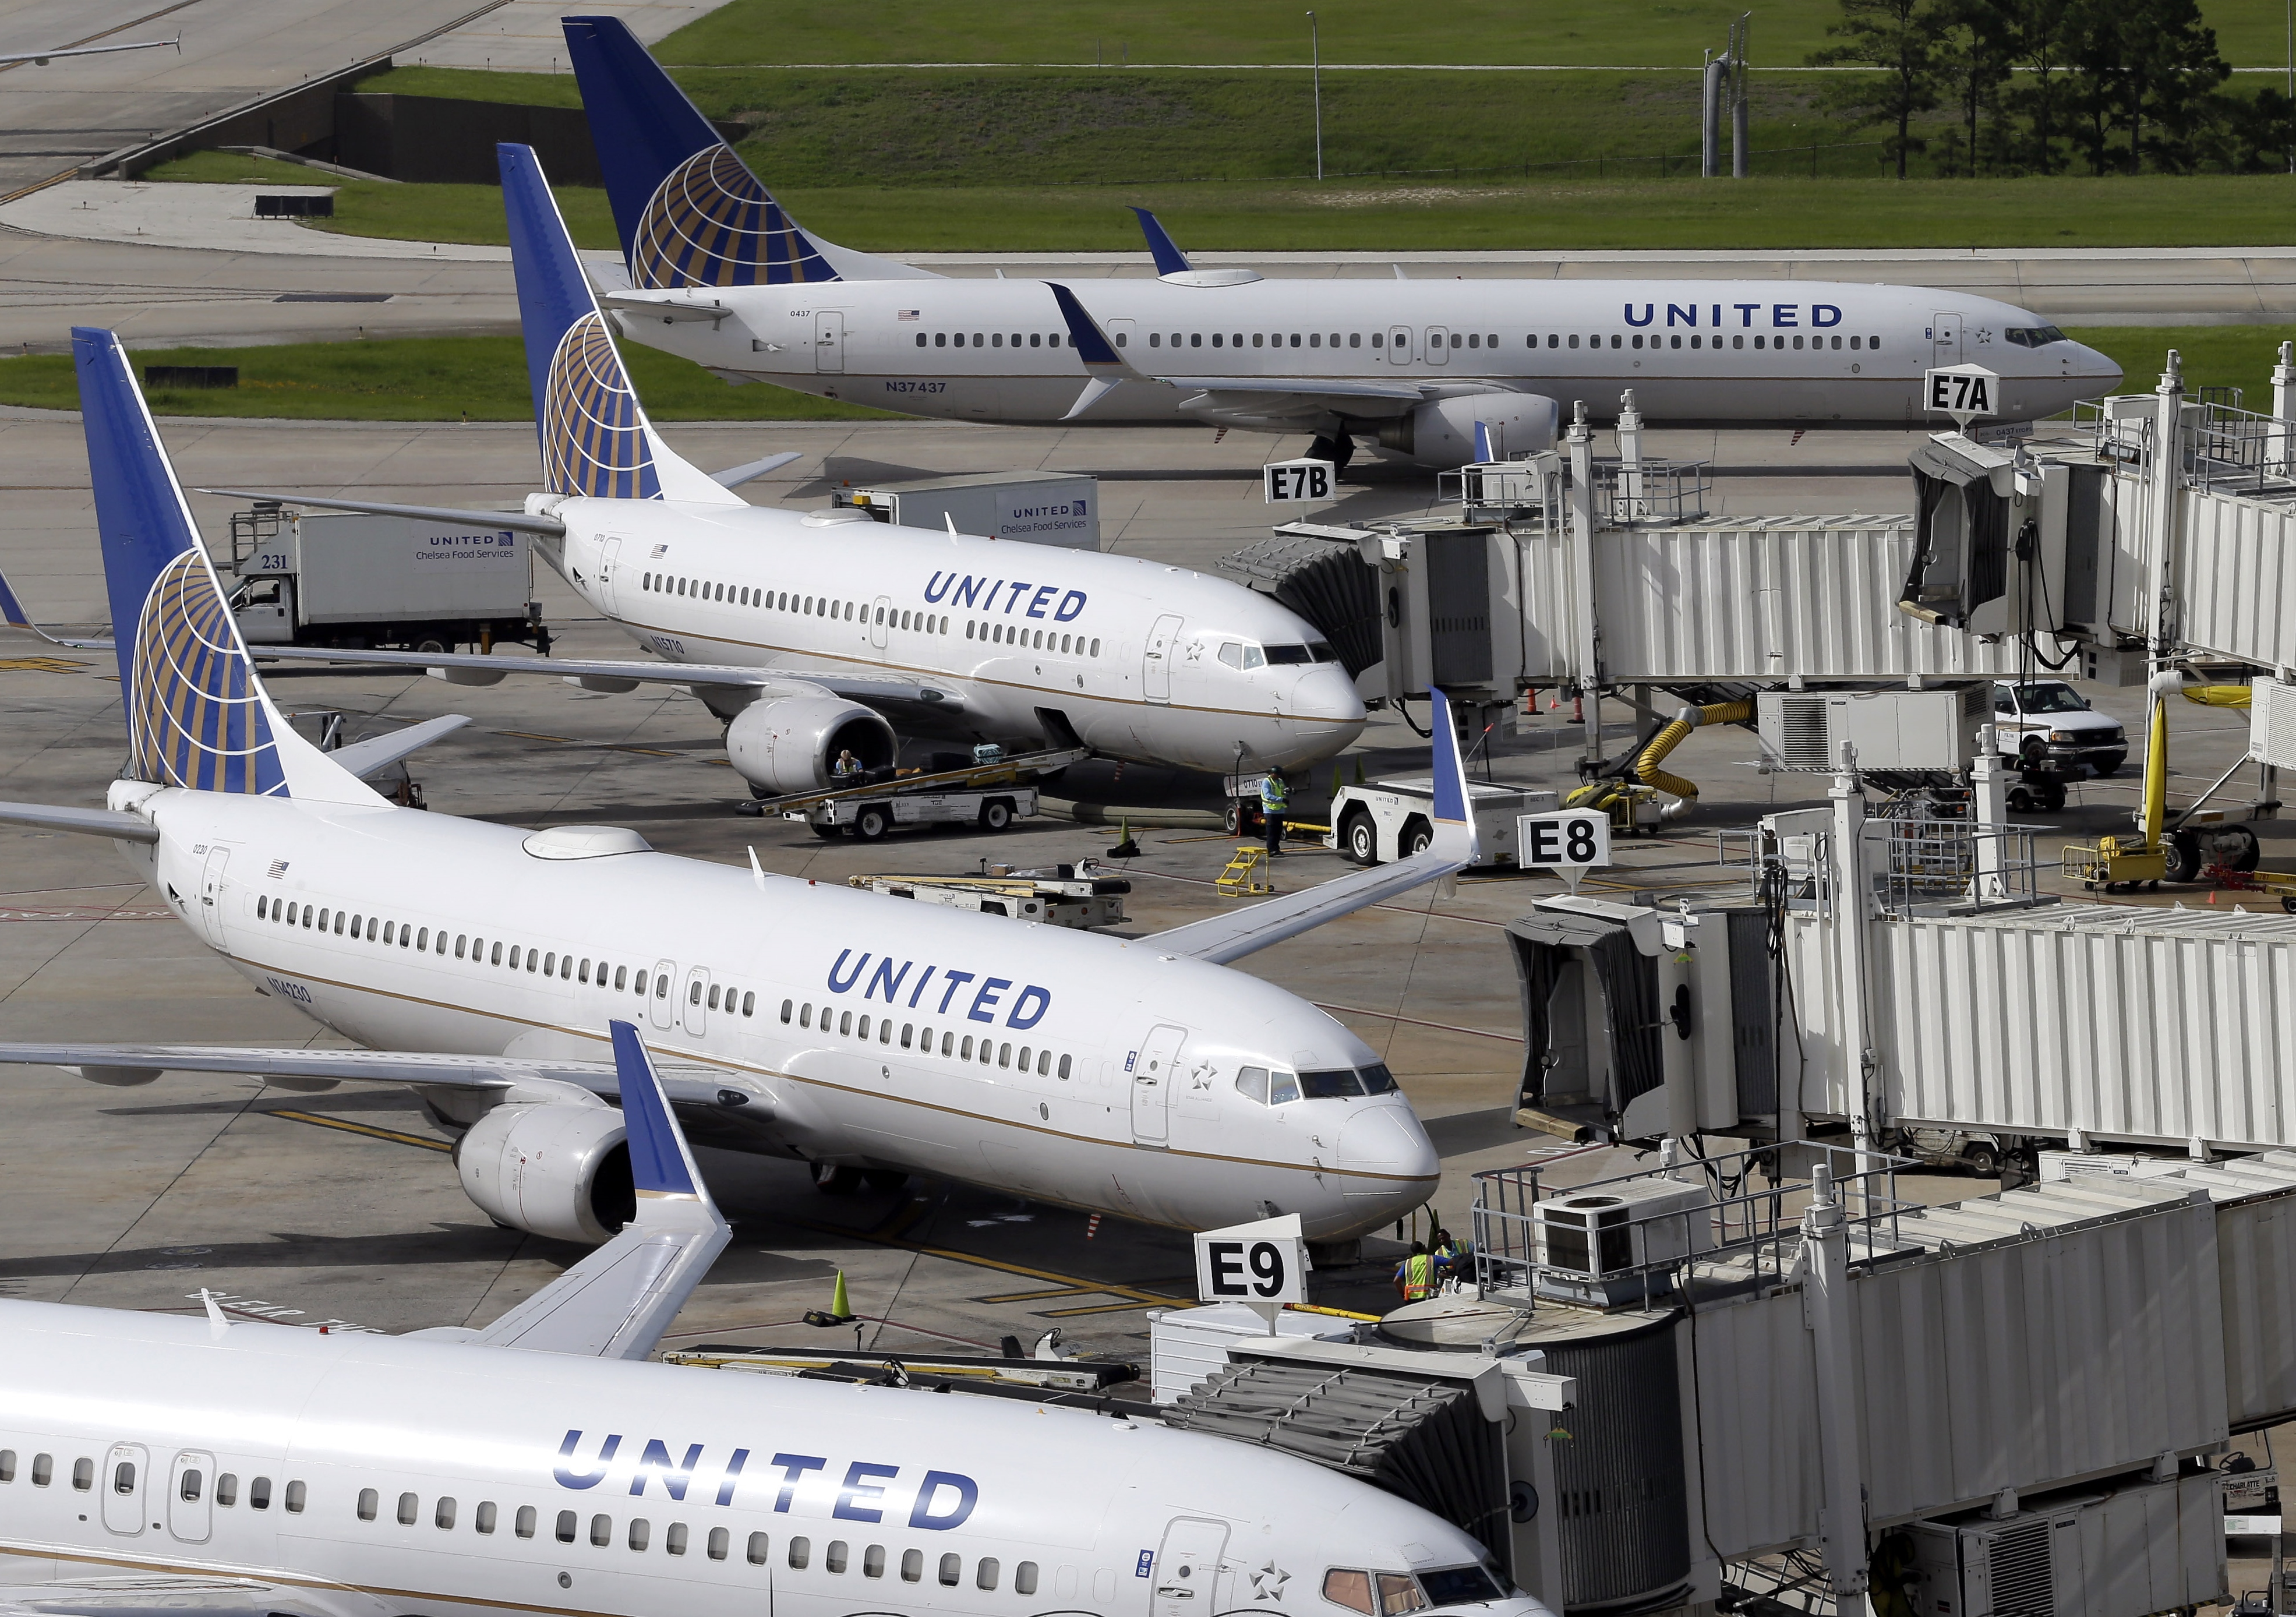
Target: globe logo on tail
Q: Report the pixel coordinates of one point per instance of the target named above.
(709, 223)
(594, 436)
(195, 718)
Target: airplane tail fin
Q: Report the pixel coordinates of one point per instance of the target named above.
(689, 211)
(197, 715)
(594, 435)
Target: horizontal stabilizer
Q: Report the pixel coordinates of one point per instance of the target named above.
(1223, 937)
(458, 517)
(733, 477)
(617, 1302)
(370, 758)
(85, 822)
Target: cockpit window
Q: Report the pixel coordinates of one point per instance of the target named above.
(1283, 655)
(1459, 1585)
(1232, 653)
(1281, 1087)
(1343, 1586)
(1253, 659)
(1377, 1079)
(1321, 652)
(1334, 1085)
(1397, 1594)
(2034, 336)
(1251, 1083)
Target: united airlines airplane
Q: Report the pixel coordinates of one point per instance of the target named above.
(152, 1465)
(816, 633)
(720, 274)
(852, 1032)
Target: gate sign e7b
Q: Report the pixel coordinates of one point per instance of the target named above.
(1963, 391)
(1288, 481)
(1263, 1264)
(1569, 842)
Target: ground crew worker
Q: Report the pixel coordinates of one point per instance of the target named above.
(847, 766)
(1414, 1277)
(1275, 801)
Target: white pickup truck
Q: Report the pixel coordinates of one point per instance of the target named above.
(1395, 819)
(2049, 722)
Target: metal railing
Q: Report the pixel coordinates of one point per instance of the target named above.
(1800, 863)
(1932, 867)
(1651, 493)
(1743, 1233)
(2229, 450)
(1525, 493)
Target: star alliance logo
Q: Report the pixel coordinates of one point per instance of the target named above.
(1268, 1582)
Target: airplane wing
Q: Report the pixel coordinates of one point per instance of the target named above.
(617, 1302)
(687, 1083)
(161, 1595)
(1220, 938)
(85, 822)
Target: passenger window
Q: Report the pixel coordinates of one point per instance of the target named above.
(661, 985)
(513, 955)
(43, 1467)
(1043, 1063)
(484, 1521)
(227, 1491)
(713, 997)
(908, 1029)
(834, 1559)
(1281, 1087)
(749, 1004)
(641, 1532)
(566, 1524)
(618, 976)
(872, 1560)
(369, 1503)
(123, 1477)
(1024, 1577)
(407, 1509)
(601, 1531)
(800, 1551)
(985, 1574)
(1064, 1066)
(1251, 1083)
(719, 1539)
(496, 959)
(191, 1486)
(7, 1465)
(674, 1541)
(1003, 1055)
(442, 1515)
(523, 1524)
(952, 1568)
(845, 1024)
(1351, 1589)
(262, 908)
(786, 1006)
(460, 940)
(913, 1565)
(864, 1034)
(83, 1475)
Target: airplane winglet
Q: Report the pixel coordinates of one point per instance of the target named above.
(1169, 260)
(1105, 365)
(660, 1163)
(1455, 826)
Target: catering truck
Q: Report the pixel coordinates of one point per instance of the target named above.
(355, 580)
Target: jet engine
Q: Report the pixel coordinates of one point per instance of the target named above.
(787, 744)
(1440, 434)
(553, 1168)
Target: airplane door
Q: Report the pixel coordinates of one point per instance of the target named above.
(122, 1483)
(1945, 339)
(1399, 346)
(829, 340)
(877, 617)
(1156, 662)
(658, 1007)
(697, 1001)
(1152, 1098)
(211, 886)
(1439, 345)
(610, 561)
(1187, 1568)
(190, 1487)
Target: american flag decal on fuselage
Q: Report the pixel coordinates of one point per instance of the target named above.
(709, 223)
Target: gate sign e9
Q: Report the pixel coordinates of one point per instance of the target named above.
(1290, 481)
(1264, 1263)
(1569, 842)
(1963, 391)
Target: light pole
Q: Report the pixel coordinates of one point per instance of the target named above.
(2292, 80)
(1316, 55)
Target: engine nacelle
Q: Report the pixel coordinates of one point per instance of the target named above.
(1440, 434)
(557, 1170)
(787, 745)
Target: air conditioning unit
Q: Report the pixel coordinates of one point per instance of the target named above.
(2272, 723)
(1617, 1241)
(2145, 1548)
(1891, 729)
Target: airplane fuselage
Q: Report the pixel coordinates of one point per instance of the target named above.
(1695, 352)
(848, 1029)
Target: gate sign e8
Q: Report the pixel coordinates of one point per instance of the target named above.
(1569, 842)
(1963, 391)
(1264, 1263)
(1288, 481)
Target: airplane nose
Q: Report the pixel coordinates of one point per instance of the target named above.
(1388, 1141)
(2090, 365)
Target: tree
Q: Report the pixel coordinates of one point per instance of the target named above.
(1898, 39)
(2041, 29)
(2171, 78)
(1975, 56)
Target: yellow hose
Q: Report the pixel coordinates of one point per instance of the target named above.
(2156, 775)
(2215, 695)
(1646, 766)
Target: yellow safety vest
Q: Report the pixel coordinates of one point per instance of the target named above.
(1418, 1276)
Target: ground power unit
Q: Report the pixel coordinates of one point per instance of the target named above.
(2103, 1551)
(1931, 729)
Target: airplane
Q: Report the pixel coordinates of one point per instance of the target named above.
(153, 1463)
(721, 275)
(481, 964)
(814, 633)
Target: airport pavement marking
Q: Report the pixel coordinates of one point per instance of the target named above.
(1444, 1027)
(1066, 1284)
(369, 1130)
(39, 665)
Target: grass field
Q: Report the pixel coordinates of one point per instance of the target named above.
(484, 378)
(2153, 210)
(411, 379)
(1568, 32)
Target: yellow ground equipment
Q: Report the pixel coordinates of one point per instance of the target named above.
(2111, 861)
(1672, 736)
(2160, 852)
(1246, 875)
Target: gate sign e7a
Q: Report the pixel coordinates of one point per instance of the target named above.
(1569, 842)
(1263, 1264)
(1290, 481)
(1963, 391)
